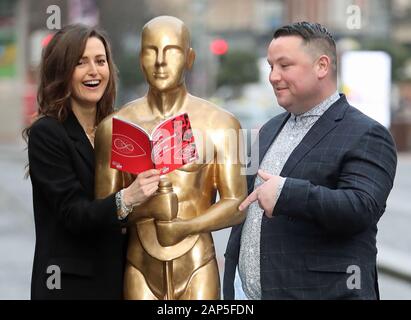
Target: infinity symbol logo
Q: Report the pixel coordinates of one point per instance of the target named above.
(126, 147)
(123, 146)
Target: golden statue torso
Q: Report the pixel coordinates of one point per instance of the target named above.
(173, 257)
(193, 184)
(196, 186)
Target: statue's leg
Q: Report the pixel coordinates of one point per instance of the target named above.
(135, 285)
(204, 284)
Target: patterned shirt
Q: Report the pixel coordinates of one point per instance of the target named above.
(273, 162)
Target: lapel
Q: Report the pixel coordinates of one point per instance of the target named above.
(319, 130)
(80, 140)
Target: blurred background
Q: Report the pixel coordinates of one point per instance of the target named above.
(230, 38)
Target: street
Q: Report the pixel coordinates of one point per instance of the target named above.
(17, 229)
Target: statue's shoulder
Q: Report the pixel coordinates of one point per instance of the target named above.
(105, 125)
(123, 112)
(220, 117)
(131, 105)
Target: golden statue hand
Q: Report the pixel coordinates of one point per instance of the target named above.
(159, 206)
(172, 232)
(145, 211)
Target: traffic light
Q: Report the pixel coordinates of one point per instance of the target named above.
(219, 47)
(45, 41)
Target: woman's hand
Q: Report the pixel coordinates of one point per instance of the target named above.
(142, 187)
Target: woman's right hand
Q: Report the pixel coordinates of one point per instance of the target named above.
(142, 187)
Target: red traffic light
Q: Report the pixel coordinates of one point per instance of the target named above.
(46, 40)
(219, 47)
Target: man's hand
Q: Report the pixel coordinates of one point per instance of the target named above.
(266, 194)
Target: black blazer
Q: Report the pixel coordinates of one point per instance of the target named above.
(80, 235)
(325, 220)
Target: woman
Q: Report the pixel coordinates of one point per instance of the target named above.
(80, 245)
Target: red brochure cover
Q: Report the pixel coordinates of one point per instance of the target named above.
(170, 145)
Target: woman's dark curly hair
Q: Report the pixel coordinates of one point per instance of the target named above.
(59, 59)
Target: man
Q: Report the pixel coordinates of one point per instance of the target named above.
(324, 178)
(176, 259)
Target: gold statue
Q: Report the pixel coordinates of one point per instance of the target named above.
(171, 252)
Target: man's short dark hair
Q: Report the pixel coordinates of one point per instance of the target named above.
(312, 33)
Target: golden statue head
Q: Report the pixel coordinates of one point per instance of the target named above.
(165, 52)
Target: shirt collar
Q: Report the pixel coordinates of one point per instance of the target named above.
(319, 109)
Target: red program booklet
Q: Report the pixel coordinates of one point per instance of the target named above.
(169, 146)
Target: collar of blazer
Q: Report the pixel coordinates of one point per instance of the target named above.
(76, 133)
(324, 124)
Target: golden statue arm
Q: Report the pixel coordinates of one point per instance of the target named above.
(107, 180)
(232, 188)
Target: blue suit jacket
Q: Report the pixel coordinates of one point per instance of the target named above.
(324, 224)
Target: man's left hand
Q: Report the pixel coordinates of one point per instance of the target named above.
(266, 194)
